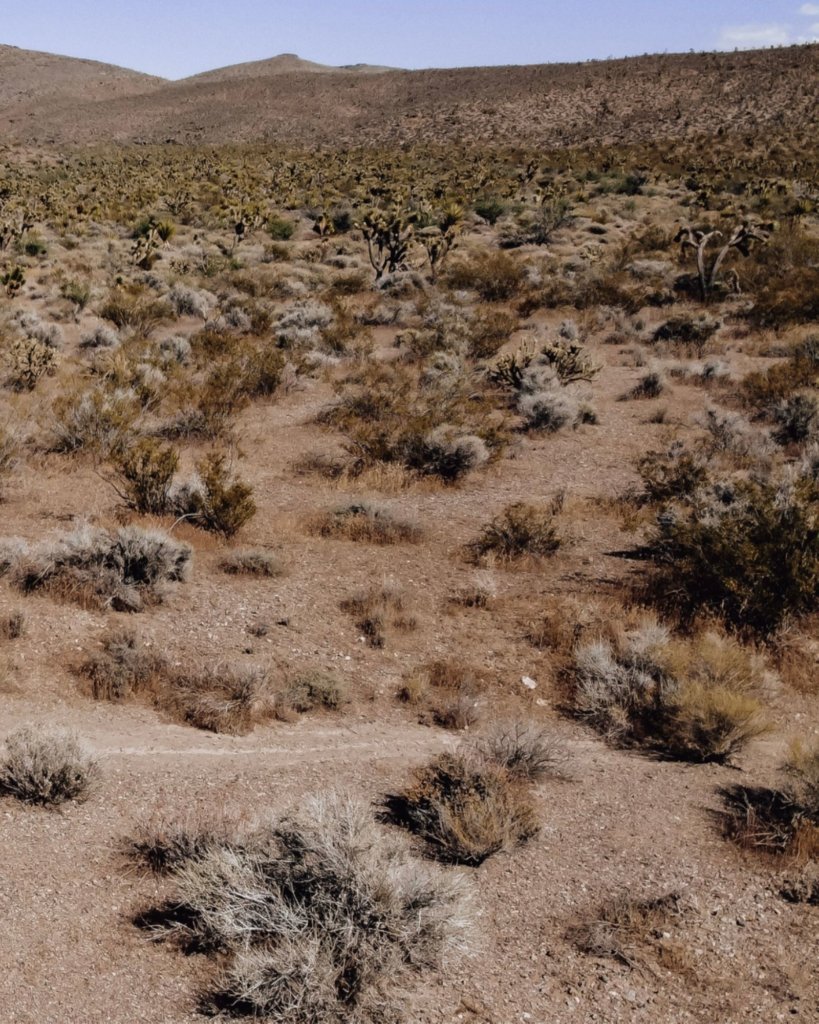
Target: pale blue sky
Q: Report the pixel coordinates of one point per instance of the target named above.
(174, 38)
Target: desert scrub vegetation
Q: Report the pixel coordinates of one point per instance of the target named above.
(252, 562)
(311, 691)
(465, 807)
(363, 521)
(746, 550)
(38, 766)
(635, 932)
(447, 692)
(698, 699)
(318, 915)
(377, 611)
(216, 500)
(782, 821)
(520, 530)
(126, 570)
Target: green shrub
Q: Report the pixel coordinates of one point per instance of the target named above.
(748, 552)
(216, 502)
(144, 473)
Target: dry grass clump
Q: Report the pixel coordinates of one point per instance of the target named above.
(630, 930)
(447, 691)
(520, 530)
(363, 521)
(126, 570)
(124, 668)
(313, 691)
(465, 807)
(251, 562)
(376, 611)
(527, 752)
(144, 473)
(163, 844)
(314, 917)
(222, 699)
(42, 767)
(495, 276)
(747, 551)
(134, 308)
(695, 700)
(13, 625)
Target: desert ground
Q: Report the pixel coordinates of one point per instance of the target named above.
(433, 480)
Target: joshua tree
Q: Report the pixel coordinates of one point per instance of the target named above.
(742, 239)
(388, 237)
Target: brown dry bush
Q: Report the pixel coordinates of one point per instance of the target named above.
(216, 501)
(134, 308)
(125, 571)
(251, 562)
(520, 530)
(695, 700)
(143, 475)
(465, 808)
(312, 691)
(48, 768)
(630, 930)
(13, 625)
(376, 611)
(222, 699)
(313, 917)
(495, 276)
(124, 668)
(363, 521)
(526, 751)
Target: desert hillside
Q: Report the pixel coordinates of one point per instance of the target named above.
(409, 560)
(284, 100)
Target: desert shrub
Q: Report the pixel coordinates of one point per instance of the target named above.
(524, 750)
(123, 668)
(673, 473)
(221, 699)
(101, 337)
(13, 625)
(163, 844)
(251, 562)
(763, 390)
(628, 930)
(317, 916)
(362, 521)
(747, 551)
(694, 700)
(314, 690)
(133, 308)
(650, 385)
(41, 767)
(216, 501)
(489, 330)
(94, 421)
(550, 409)
(796, 419)
(520, 530)
(495, 276)
(569, 360)
(447, 452)
(124, 570)
(687, 330)
(279, 229)
(490, 209)
(191, 302)
(375, 611)
(465, 808)
(144, 474)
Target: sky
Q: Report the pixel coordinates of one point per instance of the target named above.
(175, 38)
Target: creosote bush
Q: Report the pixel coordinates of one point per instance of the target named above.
(42, 767)
(216, 501)
(317, 916)
(520, 530)
(747, 551)
(144, 473)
